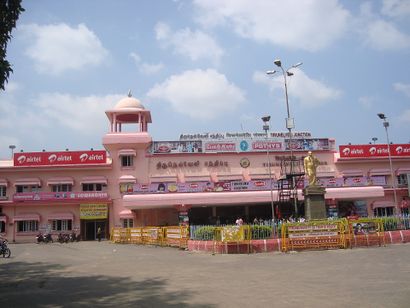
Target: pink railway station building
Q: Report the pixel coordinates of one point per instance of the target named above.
(201, 178)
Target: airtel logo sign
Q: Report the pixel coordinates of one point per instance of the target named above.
(31, 159)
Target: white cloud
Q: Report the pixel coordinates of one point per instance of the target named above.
(396, 8)
(299, 24)
(405, 117)
(402, 87)
(200, 94)
(146, 68)
(59, 48)
(367, 101)
(309, 92)
(382, 35)
(76, 112)
(61, 115)
(196, 45)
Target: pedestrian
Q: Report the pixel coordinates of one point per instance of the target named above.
(99, 234)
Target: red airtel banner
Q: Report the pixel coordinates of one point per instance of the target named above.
(59, 158)
(374, 150)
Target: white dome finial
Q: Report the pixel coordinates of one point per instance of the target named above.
(129, 93)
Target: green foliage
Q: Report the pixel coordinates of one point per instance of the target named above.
(9, 13)
(260, 232)
(205, 233)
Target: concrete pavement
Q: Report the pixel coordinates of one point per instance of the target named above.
(113, 275)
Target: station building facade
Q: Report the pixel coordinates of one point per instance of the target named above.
(199, 179)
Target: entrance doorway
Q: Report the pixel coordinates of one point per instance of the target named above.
(89, 229)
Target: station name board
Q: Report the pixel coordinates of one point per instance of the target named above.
(33, 159)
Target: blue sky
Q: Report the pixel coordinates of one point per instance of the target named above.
(199, 66)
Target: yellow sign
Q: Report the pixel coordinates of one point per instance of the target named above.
(93, 211)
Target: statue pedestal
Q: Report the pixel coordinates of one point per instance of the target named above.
(315, 207)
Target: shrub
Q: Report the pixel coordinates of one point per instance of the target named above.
(261, 232)
(205, 233)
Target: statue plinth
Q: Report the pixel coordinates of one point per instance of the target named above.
(315, 207)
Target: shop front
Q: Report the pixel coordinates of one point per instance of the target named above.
(94, 217)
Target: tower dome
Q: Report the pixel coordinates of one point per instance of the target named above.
(129, 102)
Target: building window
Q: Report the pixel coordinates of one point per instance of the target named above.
(27, 226)
(61, 187)
(61, 225)
(126, 161)
(3, 190)
(2, 227)
(25, 188)
(402, 179)
(383, 211)
(128, 223)
(93, 186)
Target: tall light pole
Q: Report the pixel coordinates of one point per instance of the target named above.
(290, 123)
(12, 147)
(383, 117)
(266, 120)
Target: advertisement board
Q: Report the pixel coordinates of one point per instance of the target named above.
(33, 159)
(374, 150)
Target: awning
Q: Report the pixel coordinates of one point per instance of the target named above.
(354, 192)
(325, 174)
(127, 179)
(60, 216)
(402, 171)
(127, 152)
(22, 217)
(94, 180)
(126, 214)
(3, 218)
(377, 204)
(4, 182)
(352, 172)
(60, 180)
(27, 182)
(153, 201)
(379, 172)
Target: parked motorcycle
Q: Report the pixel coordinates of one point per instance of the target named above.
(74, 237)
(46, 238)
(62, 238)
(40, 238)
(4, 250)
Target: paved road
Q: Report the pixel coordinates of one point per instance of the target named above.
(111, 275)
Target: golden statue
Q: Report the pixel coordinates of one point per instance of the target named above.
(310, 163)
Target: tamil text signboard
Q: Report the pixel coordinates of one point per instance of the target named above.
(93, 211)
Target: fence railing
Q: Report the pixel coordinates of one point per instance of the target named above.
(256, 231)
(176, 236)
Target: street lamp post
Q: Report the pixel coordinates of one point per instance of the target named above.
(374, 140)
(266, 120)
(290, 123)
(12, 147)
(383, 117)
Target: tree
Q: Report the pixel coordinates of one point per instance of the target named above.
(9, 13)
